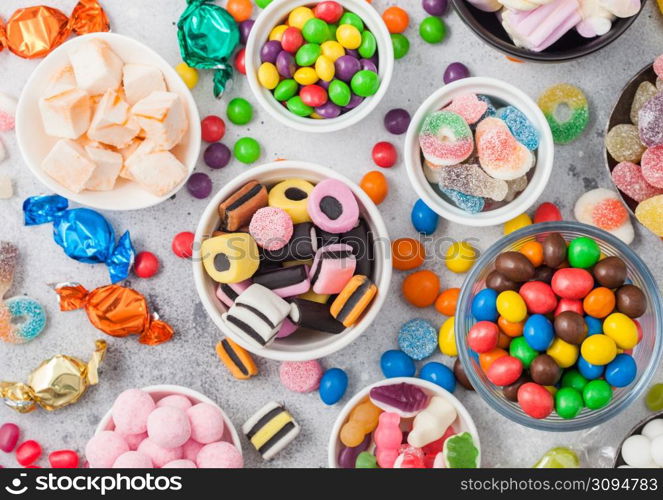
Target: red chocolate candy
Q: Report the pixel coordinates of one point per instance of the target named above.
(572, 283)
(539, 297)
(535, 400)
(483, 336)
(505, 371)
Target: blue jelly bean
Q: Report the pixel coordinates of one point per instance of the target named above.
(467, 202)
(621, 371)
(594, 325)
(439, 374)
(490, 111)
(417, 338)
(333, 384)
(520, 127)
(28, 319)
(484, 305)
(588, 370)
(396, 364)
(538, 332)
(423, 218)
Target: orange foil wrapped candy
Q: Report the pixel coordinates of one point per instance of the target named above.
(117, 311)
(35, 31)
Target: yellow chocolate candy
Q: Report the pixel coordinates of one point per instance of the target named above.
(460, 257)
(291, 195)
(299, 16)
(305, 76)
(516, 223)
(622, 329)
(511, 306)
(564, 354)
(325, 69)
(332, 49)
(277, 32)
(268, 75)
(188, 74)
(231, 257)
(447, 338)
(598, 349)
(348, 36)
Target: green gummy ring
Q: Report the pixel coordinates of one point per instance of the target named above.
(448, 120)
(569, 130)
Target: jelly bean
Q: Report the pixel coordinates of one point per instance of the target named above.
(28, 452)
(308, 54)
(305, 76)
(146, 265)
(486, 359)
(362, 420)
(285, 64)
(339, 92)
(332, 49)
(484, 305)
(597, 394)
(366, 460)
(324, 68)
(348, 36)
(239, 111)
(564, 353)
(435, 7)
(519, 348)
(333, 385)
(328, 11)
(375, 185)
(621, 371)
(598, 350)
(316, 31)
(620, 328)
(182, 244)
(568, 402)
(438, 374)
(455, 71)
(268, 76)
(396, 19)
(447, 338)
(365, 83)
(654, 398)
(535, 400)
(212, 128)
(352, 19)
(538, 331)
(460, 257)
(539, 297)
(247, 150)
(313, 95)
(292, 40)
(423, 218)
(9, 434)
(483, 336)
(589, 370)
(518, 222)
(505, 370)
(432, 29)
(63, 459)
(599, 303)
(509, 328)
(447, 301)
(299, 16)
(407, 253)
(547, 212)
(297, 106)
(240, 9)
(511, 306)
(572, 283)
(384, 154)
(368, 45)
(533, 250)
(583, 252)
(400, 44)
(396, 364)
(285, 90)
(421, 288)
(277, 32)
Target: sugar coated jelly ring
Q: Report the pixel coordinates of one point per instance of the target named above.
(292, 195)
(27, 320)
(445, 138)
(566, 131)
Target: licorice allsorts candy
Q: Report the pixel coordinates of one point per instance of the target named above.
(302, 245)
(333, 207)
(238, 361)
(230, 258)
(361, 241)
(237, 210)
(292, 195)
(257, 315)
(285, 281)
(228, 292)
(270, 429)
(314, 315)
(353, 300)
(332, 268)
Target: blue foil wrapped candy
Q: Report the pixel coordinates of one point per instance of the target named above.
(83, 234)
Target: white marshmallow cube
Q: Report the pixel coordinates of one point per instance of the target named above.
(158, 172)
(96, 66)
(66, 114)
(140, 80)
(69, 165)
(112, 123)
(163, 117)
(108, 165)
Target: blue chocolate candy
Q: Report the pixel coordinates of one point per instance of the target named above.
(423, 218)
(439, 374)
(333, 384)
(396, 364)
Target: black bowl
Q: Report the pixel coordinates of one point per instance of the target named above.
(571, 46)
(636, 430)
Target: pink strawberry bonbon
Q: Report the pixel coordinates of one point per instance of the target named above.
(387, 437)
(652, 165)
(629, 178)
(469, 106)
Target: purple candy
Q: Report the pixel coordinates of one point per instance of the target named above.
(352, 52)
(455, 71)
(435, 7)
(216, 155)
(323, 83)
(347, 457)
(650, 121)
(270, 51)
(355, 101)
(328, 110)
(346, 67)
(369, 65)
(244, 30)
(285, 64)
(404, 399)
(199, 185)
(397, 121)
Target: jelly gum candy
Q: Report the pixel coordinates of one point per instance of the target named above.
(646, 90)
(363, 419)
(658, 65)
(490, 110)
(500, 154)
(650, 214)
(467, 202)
(432, 422)
(445, 138)
(623, 143)
(659, 81)
(387, 437)
(565, 131)
(366, 460)
(471, 179)
(410, 458)
(514, 187)
(469, 106)
(432, 172)
(438, 445)
(652, 166)
(347, 457)
(628, 178)
(404, 399)
(604, 209)
(650, 121)
(460, 452)
(520, 127)
(558, 458)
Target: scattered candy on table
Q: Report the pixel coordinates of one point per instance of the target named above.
(646, 448)
(271, 429)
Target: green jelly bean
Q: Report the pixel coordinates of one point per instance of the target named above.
(366, 460)
(597, 394)
(654, 397)
(353, 19)
(432, 29)
(583, 252)
(296, 105)
(239, 111)
(573, 378)
(315, 31)
(308, 54)
(365, 83)
(339, 93)
(519, 348)
(368, 45)
(568, 402)
(247, 150)
(332, 31)
(286, 89)
(401, 45)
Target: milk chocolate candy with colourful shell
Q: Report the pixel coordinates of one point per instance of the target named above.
(257, 315)
(353, 300)
(270, 429)
(228, 292)
(285, 281)
(333, 207)
(314, 315)
(237, 210)
(292, 195)
(230, 258)
(302, 245)
(361, 241)
(238, 361)
(332, 268)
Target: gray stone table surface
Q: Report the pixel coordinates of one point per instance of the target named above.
(189, 359)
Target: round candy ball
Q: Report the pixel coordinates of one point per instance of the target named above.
(180, 464)
(190, 449)
(396, 121)
(384, 154)
(375, 185)
(484, 305)
(134, 440)
(423, 218)
(583, 252)
(333, 385)
(396, 364)
(621, 371)
(146, 265)
(159, 455)
(221, 455)
(597, 394)
(407, 254)
(535, 400)
(300, 376)
(207, 423)
(247, 150)
(131, 410)
(365, 83)
(239, 111)
(432, 29)
(568, 402)
(175, 400)
(199, 185)
(421, 288)
(168, 427)
(133, 460)
(213, 128)
(217, 155)
(400, 44)
(417, 338)
(435, 7)
(439, 374)
(104, 448)
(182, 246)
(455, 71)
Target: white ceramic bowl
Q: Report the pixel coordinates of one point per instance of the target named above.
(463, 422)
(35, 144)
(161, 391)
(504, 92)
(304, 344)
(273, 15)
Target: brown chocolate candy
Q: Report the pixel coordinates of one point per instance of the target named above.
(631, 301)
(515, 266)
(511, 391)
(570, 327)
(610, 272)
(544, 370)
(498, 282)
(554, 250)
(461, 376)
(237, 210)
(543, 273)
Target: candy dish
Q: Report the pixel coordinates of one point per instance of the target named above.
(272, 16)
(487, 26)
(462, 423)
(35, 144)
(619, 461)
(306, 344)
(506, 94)
(646, 354)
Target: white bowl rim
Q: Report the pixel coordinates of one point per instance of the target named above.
(544, 163)
(194, 141)
(349, 334)
(463, 414)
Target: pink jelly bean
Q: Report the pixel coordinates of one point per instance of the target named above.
(28, 452)
(387, 437)
(652, 166)
(160, 456)
(190, 449)
(628, 178)
(180, 464)
(207, 423)
(133, 460)
(130, 411)
(8, 437)
(63, 459)
(169, 427)
(103, 449)
(220, 455)
(469, 106)
(176, 401)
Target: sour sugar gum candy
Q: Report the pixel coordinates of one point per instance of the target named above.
(471, 179)
(500, 154)
(445, 138)
(469, 106)
(628, 178)
(604, 209)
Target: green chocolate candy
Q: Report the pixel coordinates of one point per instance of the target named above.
(401, 45)
(597, 394)
(368, 45)
(583, 252)
(353, 19)
(296, 105)
(239, 111)
(568, 402)
(315, 31)
(308, 54)
(365, 83)
(519, 348)
(339, 93)
(286, 89)
(432, 29)
(573, 378)
(247, 150)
